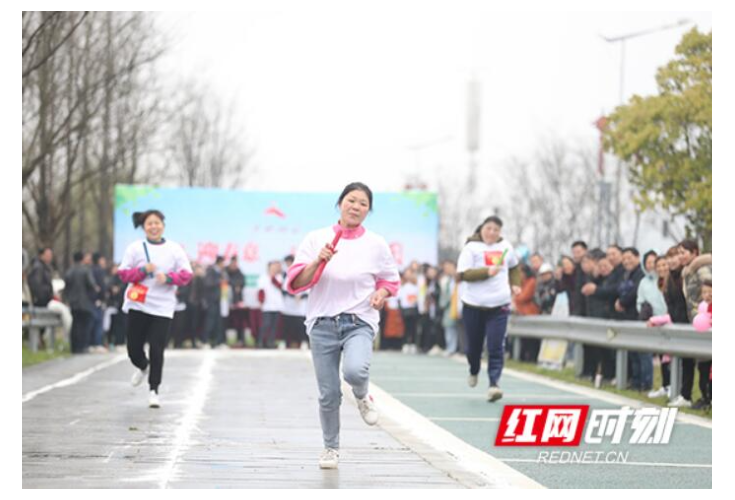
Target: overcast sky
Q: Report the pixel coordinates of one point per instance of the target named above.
(331, 97)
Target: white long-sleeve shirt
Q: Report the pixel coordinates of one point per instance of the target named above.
(273, 294)
(363, 263)
(169, 258)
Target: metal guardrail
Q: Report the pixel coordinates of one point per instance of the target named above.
(36, 319)
(678, 341)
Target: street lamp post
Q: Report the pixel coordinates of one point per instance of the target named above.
(622, 40)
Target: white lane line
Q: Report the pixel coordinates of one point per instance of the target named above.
(638, 464)
(182, 439)
(463, 462)
(75, 422)
(603, 396)
(114, 450)
(589, 393)
(511, 396)
(451, 378)
(463, 419)
(72, 380)
(249, 353)
(382, 378)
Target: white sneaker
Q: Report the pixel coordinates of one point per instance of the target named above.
(153, 401)
(436, 351)
(494, 393)
(138, 376)
(368, 412)
(680, 402)
(329, 459)
(658, 393)
(472, 380)
(410, 349)
(304, 346)
(223, 347)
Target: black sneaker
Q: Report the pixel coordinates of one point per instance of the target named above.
(701, 404)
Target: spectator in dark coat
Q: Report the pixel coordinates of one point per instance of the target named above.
(40, 278)
(79, 292)
(640, 364)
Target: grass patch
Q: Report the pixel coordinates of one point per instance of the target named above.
(31, 358)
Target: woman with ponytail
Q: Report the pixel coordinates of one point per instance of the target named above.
(349, 281)
(489, 266)
(152, 267)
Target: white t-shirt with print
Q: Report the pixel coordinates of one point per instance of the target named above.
(492, 292)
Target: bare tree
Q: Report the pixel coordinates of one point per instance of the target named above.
(205, 146)
(83, 75)
(95, 114)
(555, 199)
(39, 28)
(456, 221)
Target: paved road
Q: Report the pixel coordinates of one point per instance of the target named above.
(229, 419)
(436, 388)
(247, 419)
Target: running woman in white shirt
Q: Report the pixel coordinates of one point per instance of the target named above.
(489, 266)
(342, 310)
(152, 268)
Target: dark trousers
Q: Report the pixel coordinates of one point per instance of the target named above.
(180, 331)
(97, 330)
(294, 330)
(481, 325)
(118, 328)
(154, 330)
(214, 331)
(269, 329)
(705, 383)
(530, 349)
(81, 330)
(687, 377)
(599, 359)
(238, 320)
(410, 324)
(665, 372)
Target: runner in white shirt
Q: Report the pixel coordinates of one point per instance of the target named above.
(342, 312)
(270, 295)
(294, 314)
(153, 268)
(489, 267)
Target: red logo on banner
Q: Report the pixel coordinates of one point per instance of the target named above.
(541, 425)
